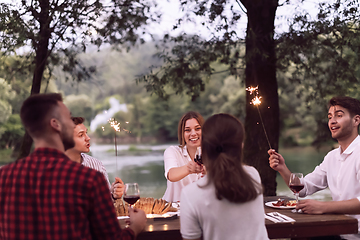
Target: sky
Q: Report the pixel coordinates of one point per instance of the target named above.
(171, 12)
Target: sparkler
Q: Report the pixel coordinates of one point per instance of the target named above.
(256, 102)
(116, 126)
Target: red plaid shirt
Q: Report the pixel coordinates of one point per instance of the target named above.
(48, 196)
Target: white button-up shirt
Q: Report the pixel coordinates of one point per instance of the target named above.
(96, 164)
(338, 171)
(175, 156)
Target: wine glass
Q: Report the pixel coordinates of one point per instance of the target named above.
(131, 193)
(296, 184)
(198, 158)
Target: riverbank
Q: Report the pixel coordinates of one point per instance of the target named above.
(144, 164)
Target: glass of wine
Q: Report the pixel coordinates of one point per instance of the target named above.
(296, 184)
(198, 158)
(131, 193)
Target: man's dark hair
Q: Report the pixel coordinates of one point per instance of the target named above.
(36, 110)
(351, 104)
(78, 120)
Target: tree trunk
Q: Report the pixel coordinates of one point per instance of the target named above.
(41, 45)
(261, 71)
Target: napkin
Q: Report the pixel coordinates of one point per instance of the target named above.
(278, 217)
(272, 219)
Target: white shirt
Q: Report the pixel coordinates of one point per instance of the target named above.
(338, 171)
(203, 214)
(96, 164)
(175, 156)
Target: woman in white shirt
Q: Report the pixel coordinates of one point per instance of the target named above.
(228, 202)
(179, 164)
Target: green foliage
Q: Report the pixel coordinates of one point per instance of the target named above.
(316, 60)
(230, 99)
(189, 64)
(116, 71)
(319, 59)
(69, 27)
(80, 106)
(162, 117)
(11, 132)
(6, 94)
(5, 156)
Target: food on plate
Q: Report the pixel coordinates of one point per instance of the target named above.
(149, 205)
(285, 203)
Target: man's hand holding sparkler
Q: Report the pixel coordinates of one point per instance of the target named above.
(277, 162)
(117, 188)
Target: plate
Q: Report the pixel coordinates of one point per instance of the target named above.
(168, 215)
(163, 216)
(270, 204)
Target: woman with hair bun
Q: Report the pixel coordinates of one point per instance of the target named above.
(227, 203)
(179, 164)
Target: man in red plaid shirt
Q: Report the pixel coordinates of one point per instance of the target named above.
(48, 196)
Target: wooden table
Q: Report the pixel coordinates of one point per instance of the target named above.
(305, 226)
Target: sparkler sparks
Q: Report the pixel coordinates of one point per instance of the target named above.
(116, 126)
(256, 102)
(252, 89)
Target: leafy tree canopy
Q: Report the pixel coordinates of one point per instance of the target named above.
(6, 94)
(321, 59)
(53, 33)
(67, 27)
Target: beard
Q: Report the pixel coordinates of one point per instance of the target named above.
(344, 132)
(68, 139)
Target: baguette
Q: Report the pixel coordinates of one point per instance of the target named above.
(148, 205)
(166, 208)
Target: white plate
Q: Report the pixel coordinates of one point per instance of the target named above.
(165, 215)
(270, 204)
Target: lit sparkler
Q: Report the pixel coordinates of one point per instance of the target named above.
(116, 126)
(256, 101)
(252, 89)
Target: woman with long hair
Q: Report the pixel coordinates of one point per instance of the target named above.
(228, 202)
(179, 164)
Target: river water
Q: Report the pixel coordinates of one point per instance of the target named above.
(144, 164)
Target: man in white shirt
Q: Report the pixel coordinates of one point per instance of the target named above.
(340, 169)
(82, 145)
